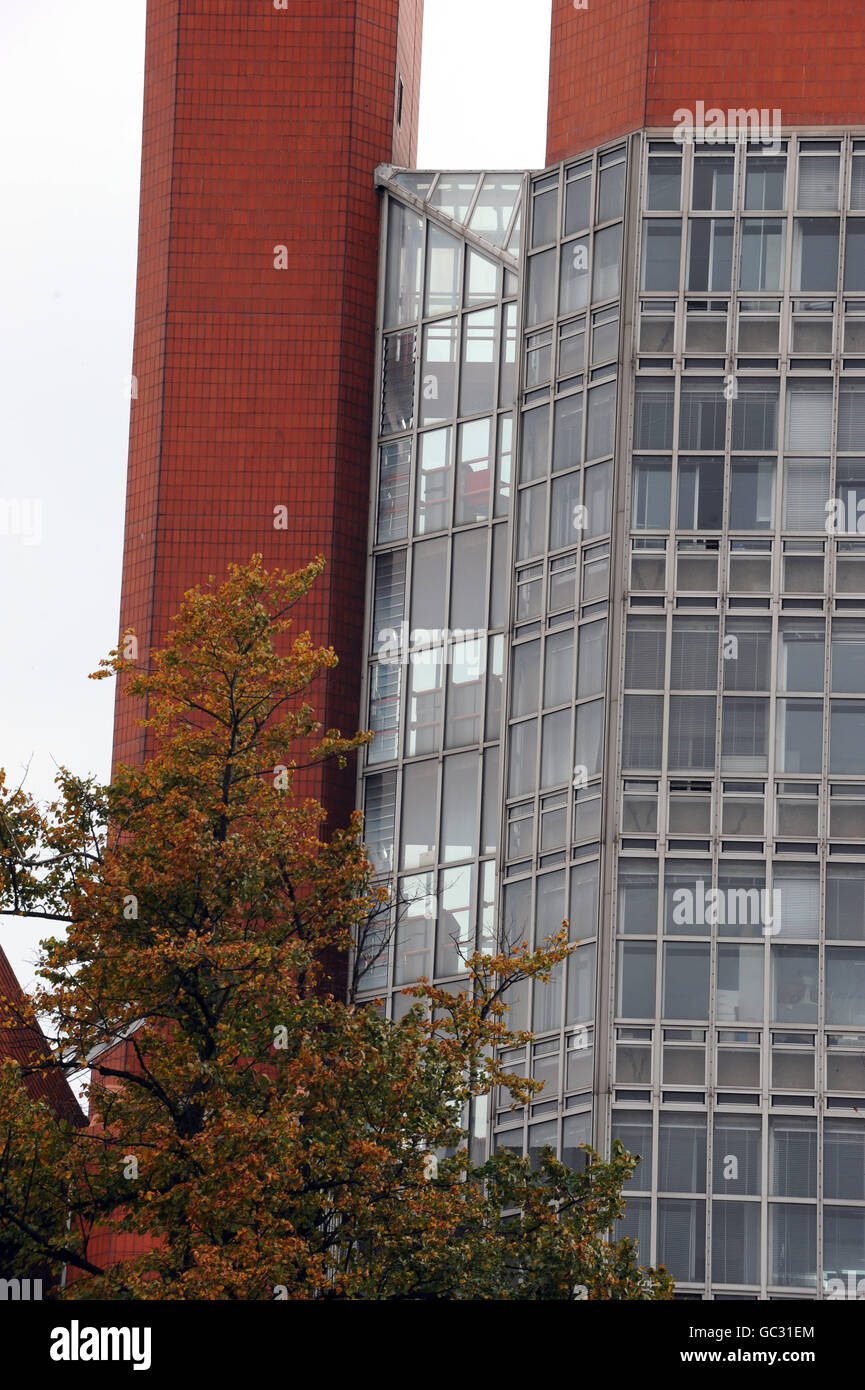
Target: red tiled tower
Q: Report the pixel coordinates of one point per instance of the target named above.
(619, 65)
(263, 124)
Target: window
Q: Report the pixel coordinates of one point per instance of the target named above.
(736, 1137)
(702, 414)
(578, 197)
(818, 180)
(815, 254)
(844, 1159)
(664, 184)
(662, 238)
(574, 273)
(745, 736)
(397, 394)
(418, 827)
(636, 980)
(851, 415)
(681, 1153)
(439, 371)
(762, 263)
(545, 208)
(541, 288)
(809, 417)
(752, 494)
(710, 253)
(415, 930)
(651, 493)
(384, 697)
(686, 980)
(747, 654)
(799, 735)
(637, 897)
(801, 656)
(477, 376)
(653, 413)
(848, 656)
(854, 260)
(712, 188)
(764, 182)
(534, 457)
(465, 679)
(474, 471)
(846, 744)
(611, 184)
(645, 653)
(394, 478)
(694, 657)
(845, 902)
(442, 272)
(642, 731)
(600, 422)
(792, 1157)
(806, 489)
(736, 1242)
(388, 606)
(755, 415)
(792, 1245)
(605, 269)
(379, 810)
(404, 265)
(794, 984)
(434, 482)
(701, 493)
(682, 1238)
(845, 985)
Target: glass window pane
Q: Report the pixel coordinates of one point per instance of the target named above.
(636, 980)
(686, 981)
(439, 371)
(605, 271)
(434, 481)
(428, 587)
(459, 836)
(792, 1157)
(736, 1242)
(792, 1245)
(418, 821)
(762, 264)
(845, 985)
(394, 479)
(710, 253)
(442, 272)
(474, 473)
(662, 238)
(541, 288)
(752, 494)
(681, 1153)
(846, 741)
(404, 265)
(682, 1238)
(815, 254)
(794, 984)
(736, 1157)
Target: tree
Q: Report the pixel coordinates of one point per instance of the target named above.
(255, 1135)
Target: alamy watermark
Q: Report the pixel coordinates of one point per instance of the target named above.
(713, 126)
(727, 907)
(401, 647)
(22, 517)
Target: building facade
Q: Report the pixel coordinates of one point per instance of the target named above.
(613, 649)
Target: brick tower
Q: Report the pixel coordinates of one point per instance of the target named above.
(255, 310)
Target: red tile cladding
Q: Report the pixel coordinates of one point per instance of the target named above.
(622, 64)
(262, 128)
(28, 1046)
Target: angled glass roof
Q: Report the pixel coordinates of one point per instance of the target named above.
(485, 202)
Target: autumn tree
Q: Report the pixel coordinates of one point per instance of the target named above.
(253, 1135)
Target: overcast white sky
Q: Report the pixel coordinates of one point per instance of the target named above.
(71, 74)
